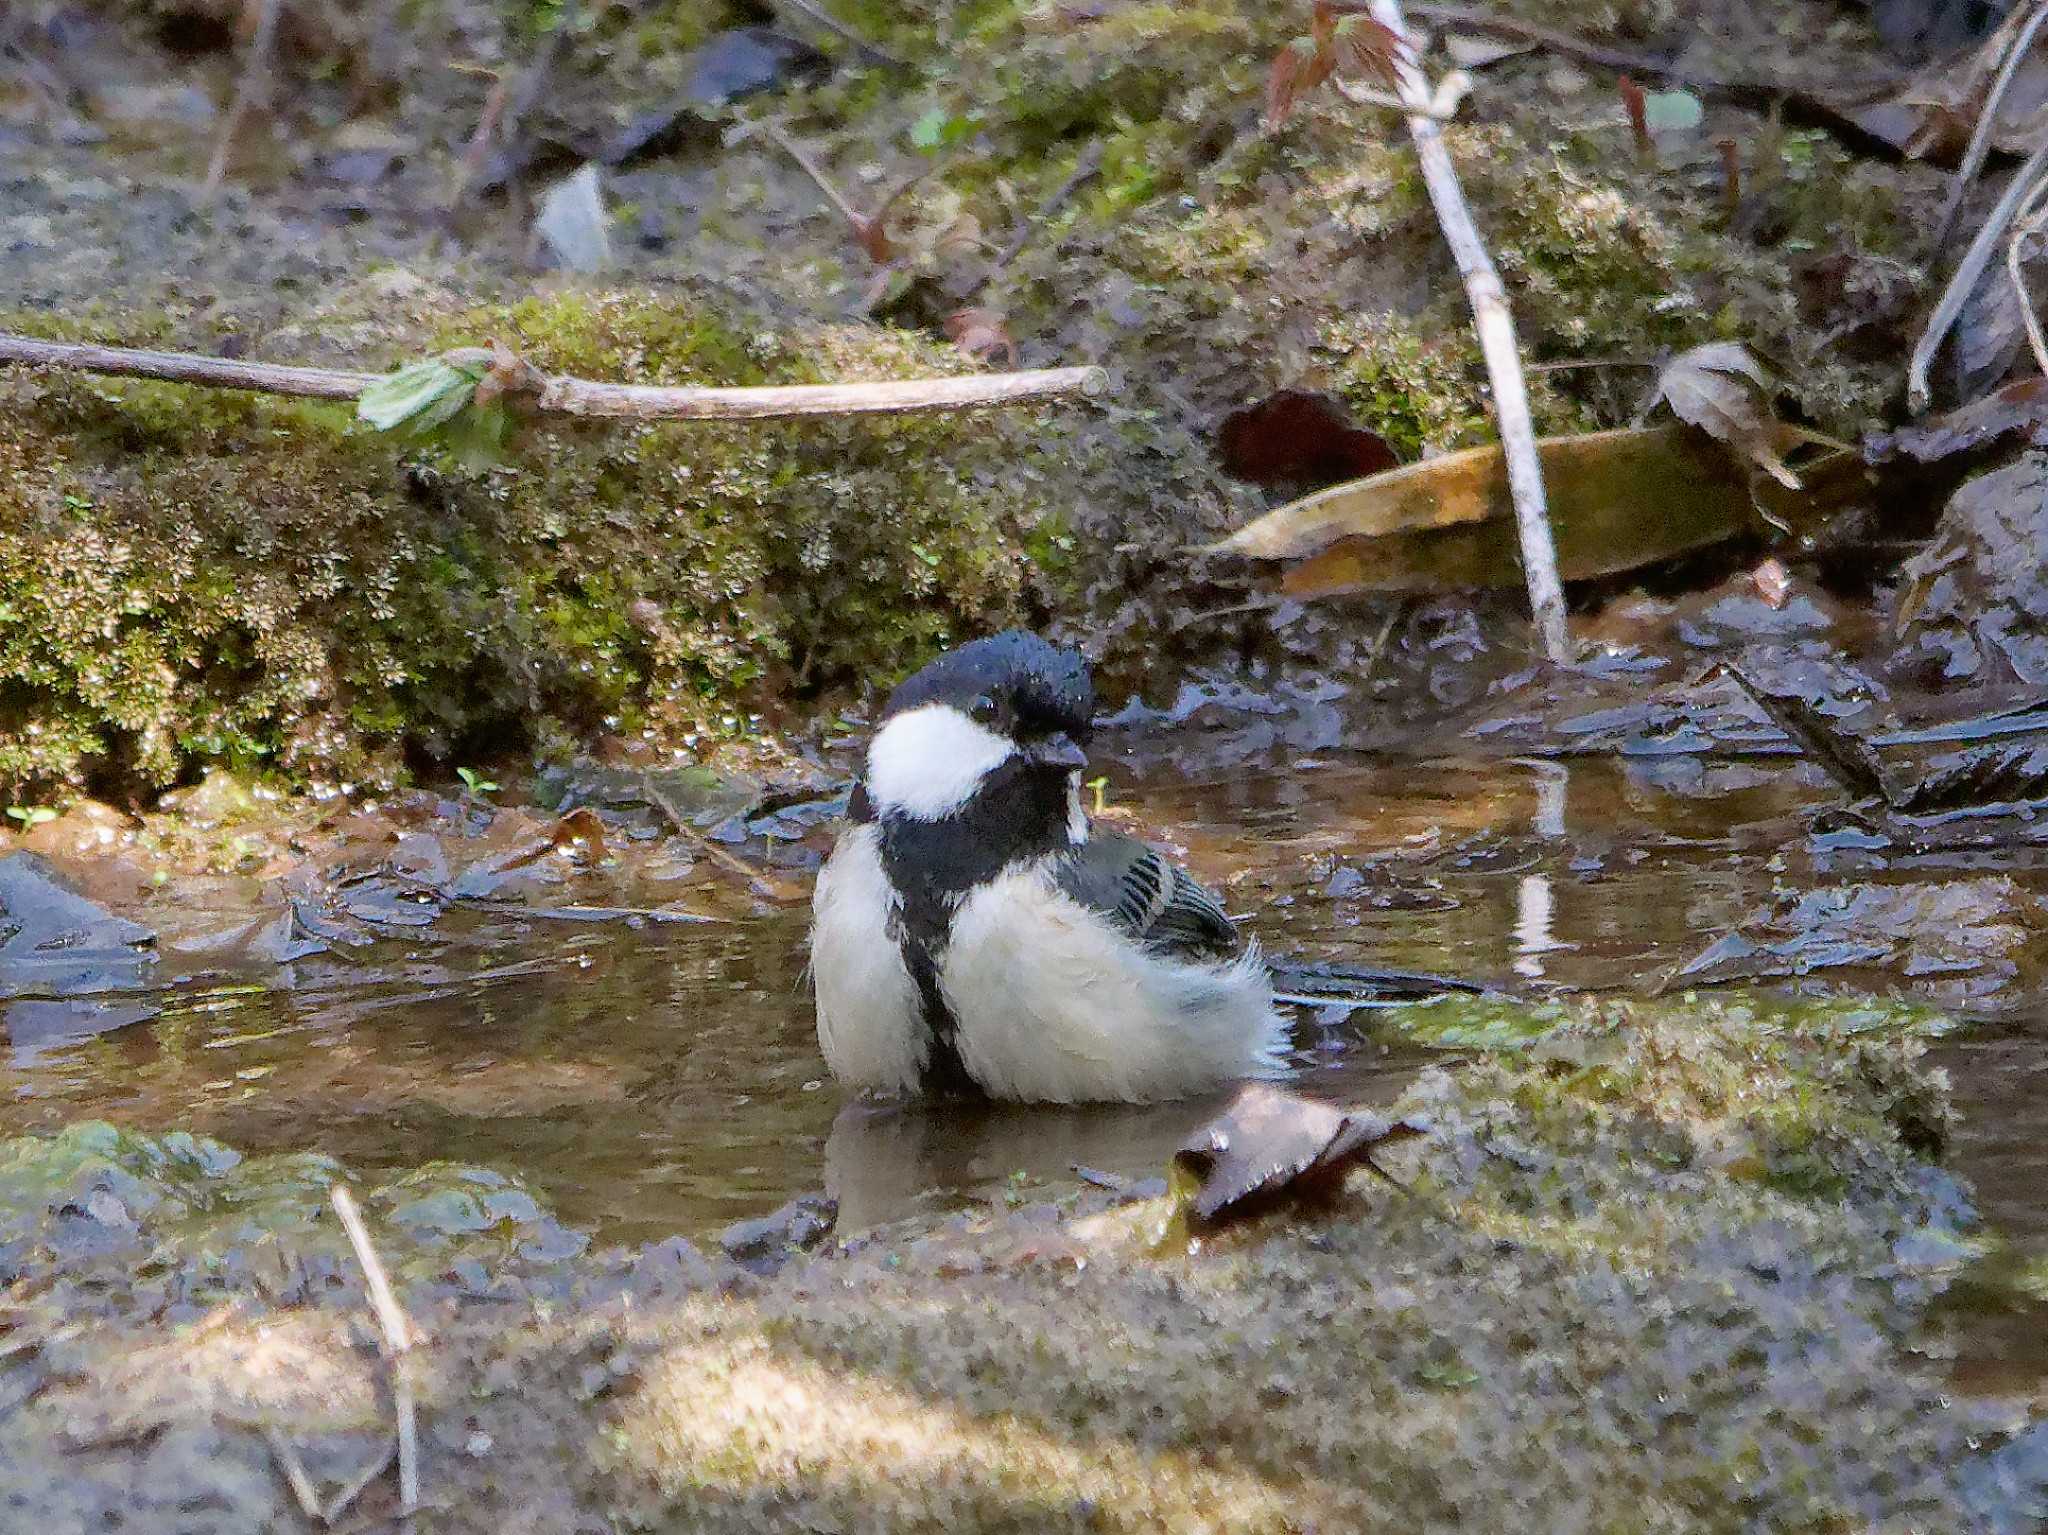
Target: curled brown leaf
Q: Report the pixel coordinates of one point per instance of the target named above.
(1725, 392)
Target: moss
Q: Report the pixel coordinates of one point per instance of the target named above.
(202, 576)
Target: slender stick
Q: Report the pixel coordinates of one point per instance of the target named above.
(874, 53)
(344, 1499)
(1963, 282)
(584, 397)
(1496, 327)
(287, 1457)
(255, 83)
(1084, 170)
(397, 1339)
(1987, 124)
(2026, 224)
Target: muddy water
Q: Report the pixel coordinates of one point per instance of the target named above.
(657, 1079)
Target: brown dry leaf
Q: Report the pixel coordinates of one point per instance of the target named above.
(1362, 46)
(871, 234)
(1725, 392)
(1618, 500)
(1773, 582)
(1297, 69)
(980, 333)
(1272, 1146)
(580, 836)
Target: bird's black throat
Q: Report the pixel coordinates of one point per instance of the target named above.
(1018, 812)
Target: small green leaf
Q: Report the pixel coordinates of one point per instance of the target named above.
(418, 397)
(938, 129)
(475, 782)
(31, 816)
(1671, 111)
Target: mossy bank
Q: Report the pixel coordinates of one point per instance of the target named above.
(197, 575)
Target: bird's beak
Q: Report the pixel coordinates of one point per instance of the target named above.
(1059, 750)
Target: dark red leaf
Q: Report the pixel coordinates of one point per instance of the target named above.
(1298, 440)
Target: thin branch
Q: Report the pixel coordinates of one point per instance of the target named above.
(760, 883)
(1496, 327)
(287, 1457)
(397, 1339)
(809, 167)
(354, 1488)
(874, 53)
(1759, 94)
(1987, 124)
(1963, 282)
(255, 83)
(584, 397)
(2026, 224)
(1084, 171)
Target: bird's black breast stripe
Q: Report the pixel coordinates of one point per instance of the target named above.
(1019, 812)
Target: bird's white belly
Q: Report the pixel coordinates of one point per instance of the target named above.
(870, 1024)
(1051, 1004)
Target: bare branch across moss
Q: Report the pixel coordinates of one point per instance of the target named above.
(554, 395)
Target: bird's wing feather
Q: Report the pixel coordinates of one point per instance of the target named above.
(1155, 901)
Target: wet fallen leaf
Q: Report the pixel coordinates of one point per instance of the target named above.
(1725, 392)
(580, 835)
(1773, 582)
(1296, 437)
(1272, 1146)
(1618, 500)
(2019, 409)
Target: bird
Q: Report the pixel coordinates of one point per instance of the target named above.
(974, 932)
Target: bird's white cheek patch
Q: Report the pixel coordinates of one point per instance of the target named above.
(928, 761)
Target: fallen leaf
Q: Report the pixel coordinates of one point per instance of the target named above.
(1932, 113)
(580, 835)
(980, 334)
(1725, 392)
(1296, 437)
(1773, 582)
(1618, 500)
(1271, 1146)
(2018, 408)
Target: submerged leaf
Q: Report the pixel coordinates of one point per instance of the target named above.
(1271, 1145)
(1618, 500)
(1724, 391)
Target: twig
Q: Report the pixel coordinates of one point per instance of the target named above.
(1963, 281)
(512, 115)
(1987, 124)
(1084, 170)
(874, 53)
(1496, 327)
(2026, 224)
(1759, 94)
(294, 1469)
(397, 1339)
(583, 397)
(870, 231)
(354, 1488)
(255, 82)
(763, 885)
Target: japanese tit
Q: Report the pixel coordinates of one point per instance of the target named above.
(972, 932)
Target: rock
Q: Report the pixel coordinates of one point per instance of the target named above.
(764, 1244)
(53, 939)
(742, 62)
(672, 1267)
(1976, 598)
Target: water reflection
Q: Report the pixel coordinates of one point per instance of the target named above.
(649, 1080)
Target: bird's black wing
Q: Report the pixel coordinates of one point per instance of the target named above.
(1154, 900)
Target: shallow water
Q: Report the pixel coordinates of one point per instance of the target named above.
(649, 1080)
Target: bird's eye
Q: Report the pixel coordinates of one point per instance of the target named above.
(983, 709)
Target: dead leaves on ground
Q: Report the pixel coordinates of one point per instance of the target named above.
(1725, 392)
(1271, 1147)
(1342, 40)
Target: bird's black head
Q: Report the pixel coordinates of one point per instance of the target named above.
(1000, 714)
(1014, 683)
